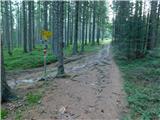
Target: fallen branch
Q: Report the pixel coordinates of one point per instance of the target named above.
(71, 59)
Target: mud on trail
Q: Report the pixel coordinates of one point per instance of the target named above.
(93, 92)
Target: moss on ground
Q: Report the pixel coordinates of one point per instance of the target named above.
(142, 85)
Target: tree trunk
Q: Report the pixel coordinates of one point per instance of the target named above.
(98, 34)
(3, 22)
(157, 26)
(45, 15)
(33, 26)
(55, 29)
(24, 28)
(65, 27)
(30, 25)
(6, 93)
(18, 27)
(86, 35)
(75, 42)
(68, 25)
(60, 40)
(7, 28)
(152, 26)
(11, 27)
(83, 25)
(94, 23)
(90, 26)
(21, 27)
(71, 31)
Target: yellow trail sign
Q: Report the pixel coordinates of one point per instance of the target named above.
(46, 35)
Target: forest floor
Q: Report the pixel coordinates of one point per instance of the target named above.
(93, 89)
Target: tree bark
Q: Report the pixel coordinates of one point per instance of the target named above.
(152, 26)
(55, 29)
(45, 15)
(75, 42)
(98, 34)
(94, 23)
(33, 26)
(83, 25)
(60, 40)
(86, 35)
(68, 25)
(24, 28)
(6, 93)
(157, 26)
(30, 40)
(11, 26)
(71, 30)
(90, 25)
(7, 28)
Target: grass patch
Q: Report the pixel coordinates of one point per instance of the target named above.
(4, 113)
(20, 60)
(33, 98)
(18, 115)
(142, 85)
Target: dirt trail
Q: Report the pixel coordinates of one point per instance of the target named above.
(94, 92)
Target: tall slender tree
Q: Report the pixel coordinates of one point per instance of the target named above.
(152, 26)
(6, 93)
(90, 23)
(24, 27)
(60, 15)
(45, 15)
(7, 27)
(94, 22)
(55, 28)
(33, 25)
(30, 27)
(75, 42)
(83, 25)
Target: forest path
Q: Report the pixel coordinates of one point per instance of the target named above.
(94, 92)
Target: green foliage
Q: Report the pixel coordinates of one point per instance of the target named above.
(21, 60)
(126, 118)
(134, 31)
(18, 115)
(142, 84)
(4, 113)
(33, 98)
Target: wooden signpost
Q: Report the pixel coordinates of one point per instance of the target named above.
(45, 35)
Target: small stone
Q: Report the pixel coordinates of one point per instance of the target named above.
(62, 110)
(102, 111)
